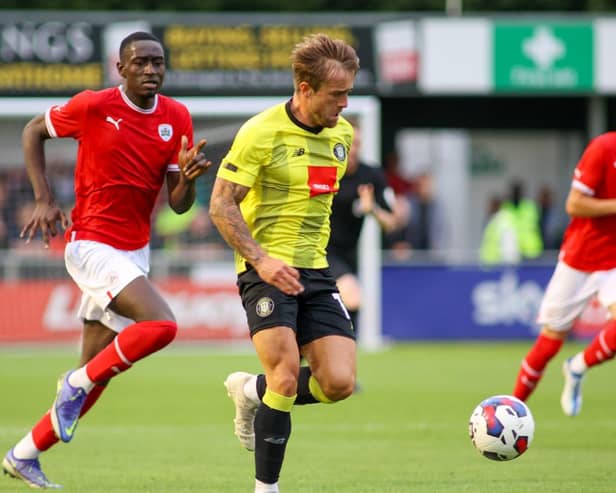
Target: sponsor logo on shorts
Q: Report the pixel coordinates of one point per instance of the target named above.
(265, 307)
(112, 278)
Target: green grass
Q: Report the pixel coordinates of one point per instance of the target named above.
(165, 426)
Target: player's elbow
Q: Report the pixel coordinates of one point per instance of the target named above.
(34, 131)
(573, 207)
(180, 208)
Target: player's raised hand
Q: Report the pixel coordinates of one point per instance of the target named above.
(277, 273)
(366, 198)
(44, 217)
(192, 162)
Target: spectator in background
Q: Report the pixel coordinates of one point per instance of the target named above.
(363, 191)
(424, 222)
(63, 183)
(192, 230)
(397, 241)
(499, 243)
(202, 234)
(526, 215)
(5, 239)
(550, 222)
(396, 180)
(171, 227)
(420, 217)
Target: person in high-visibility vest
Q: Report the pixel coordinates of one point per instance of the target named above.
(500, 244)
(526, 216)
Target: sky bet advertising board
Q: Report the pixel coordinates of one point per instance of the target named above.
(439, 302)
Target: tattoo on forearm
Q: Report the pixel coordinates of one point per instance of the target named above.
(226, 215)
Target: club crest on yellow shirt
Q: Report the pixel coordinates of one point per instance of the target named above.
(340, 152)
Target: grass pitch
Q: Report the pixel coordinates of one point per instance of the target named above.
(166, 426)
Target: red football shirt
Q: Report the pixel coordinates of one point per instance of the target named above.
(590, 243)
(123, 156)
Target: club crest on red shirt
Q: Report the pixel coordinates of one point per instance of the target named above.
(165, 131)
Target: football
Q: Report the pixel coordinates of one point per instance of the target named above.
(501, 427)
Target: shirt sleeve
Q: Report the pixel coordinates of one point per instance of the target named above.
(589, 171)
(247, 155)
(68, 120)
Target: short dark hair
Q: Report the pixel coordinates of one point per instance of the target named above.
(137, 36)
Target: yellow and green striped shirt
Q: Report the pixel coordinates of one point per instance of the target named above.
(293, 172)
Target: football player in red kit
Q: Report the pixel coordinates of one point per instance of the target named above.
(586, 267)
(131, 140)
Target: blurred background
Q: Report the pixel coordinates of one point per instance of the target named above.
(466, 105)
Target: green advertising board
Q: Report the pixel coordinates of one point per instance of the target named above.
(543, 57)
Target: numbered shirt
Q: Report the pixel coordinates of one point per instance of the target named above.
(123, 156)
(293, 172)
(590, 243)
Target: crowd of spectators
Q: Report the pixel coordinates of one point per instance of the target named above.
(415, 204)
(417, 207)
(194, 231)
(169, 231)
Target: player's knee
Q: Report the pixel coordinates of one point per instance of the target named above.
(283, 383)
(338, 387)
(555, 334)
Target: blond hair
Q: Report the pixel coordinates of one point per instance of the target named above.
(312, 59)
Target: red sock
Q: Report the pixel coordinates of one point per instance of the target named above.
(603, 346)
(42, 433)
(531, 371)
(133, 343)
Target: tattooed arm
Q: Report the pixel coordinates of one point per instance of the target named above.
(227, 217)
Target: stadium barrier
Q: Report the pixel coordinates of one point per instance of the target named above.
(452, 302)
(38, 302)
(428, 301)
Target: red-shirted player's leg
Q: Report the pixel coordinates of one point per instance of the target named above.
(153, 329)
(134, 343)
(602, 348)
(531, 369)
(43, 435)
